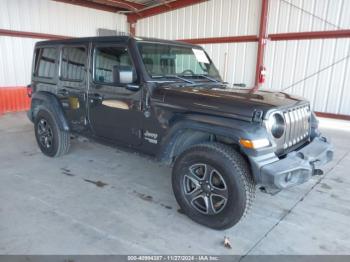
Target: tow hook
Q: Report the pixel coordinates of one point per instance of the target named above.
(324, 139)
(318, 172)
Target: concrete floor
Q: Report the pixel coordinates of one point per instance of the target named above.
(102, 200)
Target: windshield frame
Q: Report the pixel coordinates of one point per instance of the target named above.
(167, 77)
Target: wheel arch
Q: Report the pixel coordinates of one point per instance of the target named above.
(195, 129)
(48, 101)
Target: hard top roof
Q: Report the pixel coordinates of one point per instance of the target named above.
(114, 39)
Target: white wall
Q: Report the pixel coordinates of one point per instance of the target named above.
(49, 17)
(234, 61)
(287, 62)
(214, 18)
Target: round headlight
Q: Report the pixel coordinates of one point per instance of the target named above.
(277, 125)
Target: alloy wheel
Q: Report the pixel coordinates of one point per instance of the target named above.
(205, 189)
(45, 133)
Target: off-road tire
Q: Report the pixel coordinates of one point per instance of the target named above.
(60, 139)
(234, 170)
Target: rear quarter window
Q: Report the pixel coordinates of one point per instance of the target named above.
(73, 63)
(45, 63)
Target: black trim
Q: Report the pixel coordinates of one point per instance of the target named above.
(218, 126)
(50, 102)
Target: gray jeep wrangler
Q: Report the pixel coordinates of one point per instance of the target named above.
(167, 99)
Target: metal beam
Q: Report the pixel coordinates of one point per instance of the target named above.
(163, 8)
(212, 40)
(334, 116)
(220, 40)
(14, 33)
(261, 42)
(310, 35)
(93, 5)
(272, 37)
(131, 6)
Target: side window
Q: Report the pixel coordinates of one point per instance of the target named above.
(109, 61)
(73, 63)
(46, 62)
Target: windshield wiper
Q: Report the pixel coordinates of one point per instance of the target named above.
(204, 76)
(181, 78)
(209, 78)
(175, 76)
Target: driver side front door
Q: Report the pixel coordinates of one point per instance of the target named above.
(114, 110)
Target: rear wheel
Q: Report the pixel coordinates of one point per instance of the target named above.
(213, 185)
(51, 140)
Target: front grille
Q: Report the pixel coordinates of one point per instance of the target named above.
(297, 125)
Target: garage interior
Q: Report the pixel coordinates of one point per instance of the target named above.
(104, 200)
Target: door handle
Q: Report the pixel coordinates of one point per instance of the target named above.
(63, 92)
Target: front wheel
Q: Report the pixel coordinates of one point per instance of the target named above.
(213, 185)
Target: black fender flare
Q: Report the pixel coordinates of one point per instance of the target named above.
(219, 126)
(48, 101)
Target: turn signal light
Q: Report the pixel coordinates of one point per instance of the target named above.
(246, 143)
(259, 143)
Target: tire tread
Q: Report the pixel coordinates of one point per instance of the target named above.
(63, 136)
(241, 167)
(242, 170)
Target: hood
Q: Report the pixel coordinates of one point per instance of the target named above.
(230, 102)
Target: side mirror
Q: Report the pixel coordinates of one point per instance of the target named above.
(126, 76)
(123, 75)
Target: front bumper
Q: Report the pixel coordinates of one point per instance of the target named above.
(297, 167)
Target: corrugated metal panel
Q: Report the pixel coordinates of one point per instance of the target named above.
(215, 18)
(235, 61)
(53, 17)
(13, 99)
(16, 60)
(311, 15)
(44, 16)
(290, 62)
(209, 19)
(287, 62)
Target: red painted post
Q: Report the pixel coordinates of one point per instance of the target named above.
(261, 42)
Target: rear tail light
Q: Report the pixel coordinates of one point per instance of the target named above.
(29, 90)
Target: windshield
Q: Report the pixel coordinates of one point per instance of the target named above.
(163, 60)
